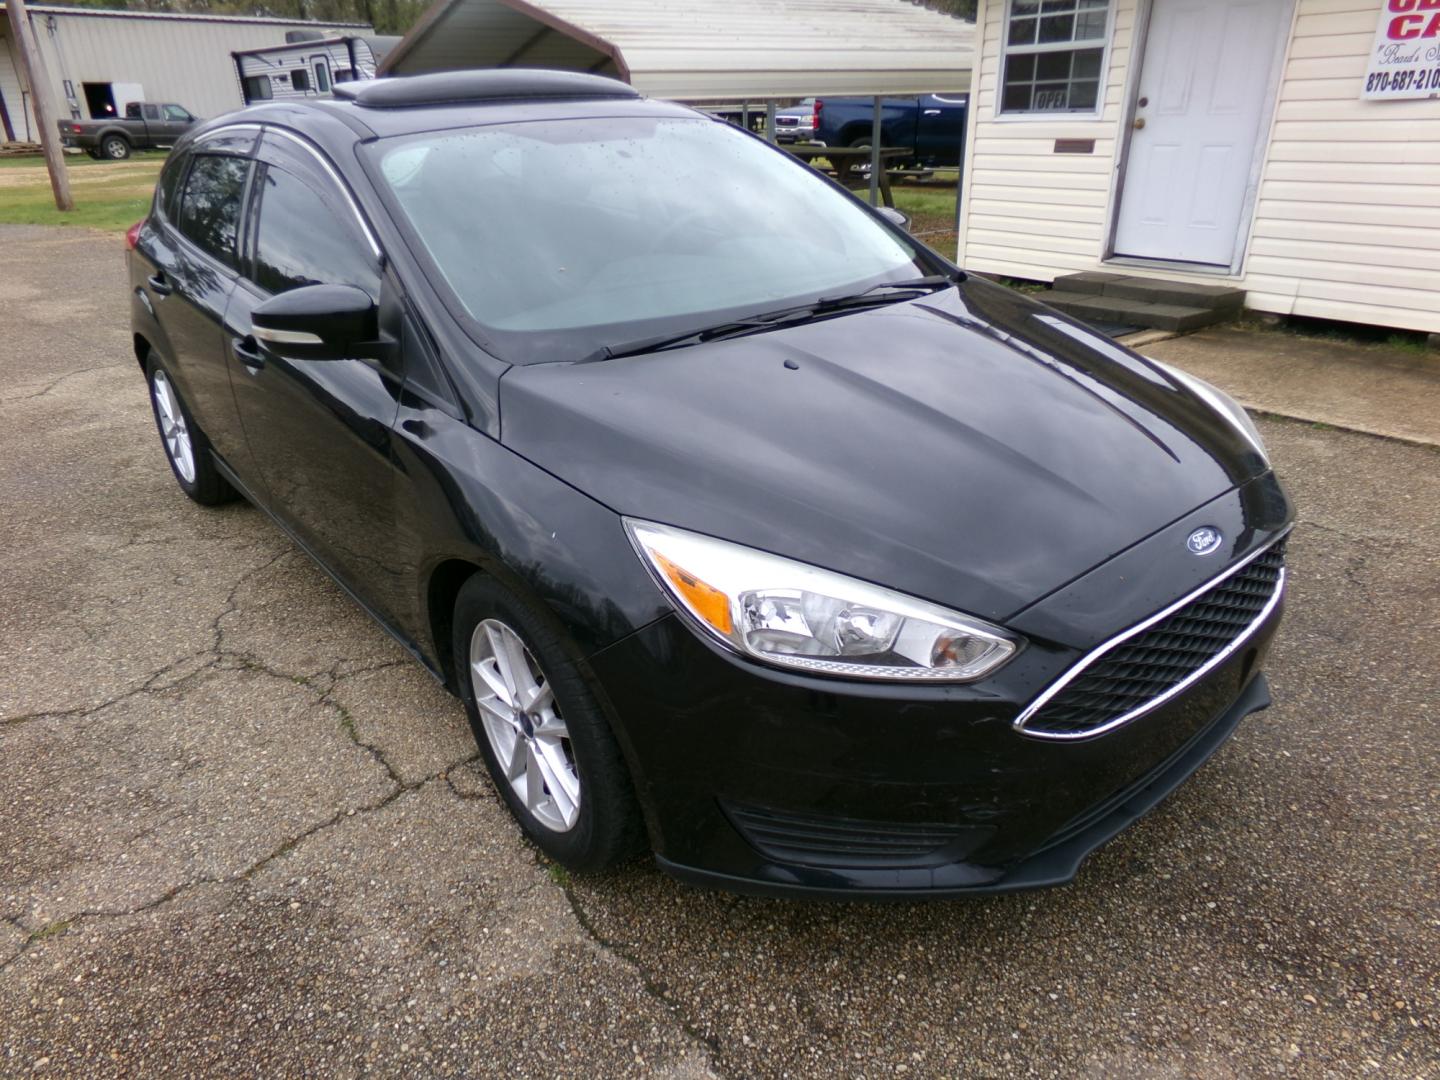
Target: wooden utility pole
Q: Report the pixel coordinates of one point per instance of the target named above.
(45, 118)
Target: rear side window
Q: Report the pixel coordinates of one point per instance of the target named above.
(303, 240)
(169, 184)
(151, 112)
(209, 211)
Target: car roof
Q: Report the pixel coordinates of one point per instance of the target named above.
(381, 108)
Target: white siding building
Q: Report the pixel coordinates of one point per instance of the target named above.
(1289, 148)
(98, 59)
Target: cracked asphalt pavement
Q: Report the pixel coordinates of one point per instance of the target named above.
(241, 833)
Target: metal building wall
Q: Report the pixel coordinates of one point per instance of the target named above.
(186, 60)
(12, 87)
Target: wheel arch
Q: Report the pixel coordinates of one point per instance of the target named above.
(142, 346)
(448, 577)
(441, 588)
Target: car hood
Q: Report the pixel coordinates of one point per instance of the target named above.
(971, 447)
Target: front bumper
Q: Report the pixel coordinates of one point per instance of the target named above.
(759, 781)
(762, 780)
(1053, 864)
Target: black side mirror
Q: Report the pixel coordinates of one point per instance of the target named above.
(895, 217)
(320, 322)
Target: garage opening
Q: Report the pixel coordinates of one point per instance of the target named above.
(100, 100)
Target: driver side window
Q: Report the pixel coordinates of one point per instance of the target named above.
(302, 240)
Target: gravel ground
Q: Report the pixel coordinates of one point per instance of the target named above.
(241, 833)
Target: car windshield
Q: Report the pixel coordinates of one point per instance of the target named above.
(582, 232)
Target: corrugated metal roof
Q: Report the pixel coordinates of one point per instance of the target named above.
(115, 13)
(696, 50)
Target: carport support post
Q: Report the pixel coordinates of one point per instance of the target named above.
(770, 121)
(875, 156)
(39, 79)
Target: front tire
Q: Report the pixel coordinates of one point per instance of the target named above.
(541, 731)
(115, 148)
(186, 447)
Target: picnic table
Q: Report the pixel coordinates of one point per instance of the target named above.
(848, 164)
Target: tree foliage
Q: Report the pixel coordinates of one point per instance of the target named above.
(964, 9)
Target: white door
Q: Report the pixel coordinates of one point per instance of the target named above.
(124, 94)
(1204, 83)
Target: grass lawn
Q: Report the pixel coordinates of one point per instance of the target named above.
(109, 195)
(75, 161)
(932, 214)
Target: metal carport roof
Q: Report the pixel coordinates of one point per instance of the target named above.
(703, 50)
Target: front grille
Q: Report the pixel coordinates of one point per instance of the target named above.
(1141, 670)
(835, 841)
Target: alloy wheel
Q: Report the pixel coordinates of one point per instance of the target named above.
(524, 726)
(173, 429)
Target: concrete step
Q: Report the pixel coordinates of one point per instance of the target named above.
(1223, 298)
(1127, 312)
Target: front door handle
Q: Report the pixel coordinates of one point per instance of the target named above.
(247, 351)
(932, 112)
(158, 285)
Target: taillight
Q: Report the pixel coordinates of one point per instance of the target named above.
(132, 234)
(818, 106)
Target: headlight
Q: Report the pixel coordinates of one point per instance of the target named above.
(1221, 402)
(798, 616)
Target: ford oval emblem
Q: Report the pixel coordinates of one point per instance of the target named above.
(1204, 541)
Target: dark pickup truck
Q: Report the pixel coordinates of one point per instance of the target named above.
(145, 126)
(932, 124)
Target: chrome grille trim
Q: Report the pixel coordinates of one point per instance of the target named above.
(1195, 676)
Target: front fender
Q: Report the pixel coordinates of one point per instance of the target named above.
(466, 498)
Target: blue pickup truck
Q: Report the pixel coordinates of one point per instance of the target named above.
(933, 124)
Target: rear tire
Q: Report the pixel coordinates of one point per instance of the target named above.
(185, 445)
(577, 805)
(114, 148)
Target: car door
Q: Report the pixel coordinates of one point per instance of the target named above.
(940, 131)
(153, 128)
(194, 256)
(319, 430)
(174, 122)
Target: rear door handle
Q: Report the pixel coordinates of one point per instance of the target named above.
(247, 351)
(932, 112)
(158, 285)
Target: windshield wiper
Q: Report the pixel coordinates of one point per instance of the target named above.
(929, 281)
(894, 292)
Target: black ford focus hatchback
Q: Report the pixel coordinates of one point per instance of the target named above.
(746, 527)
